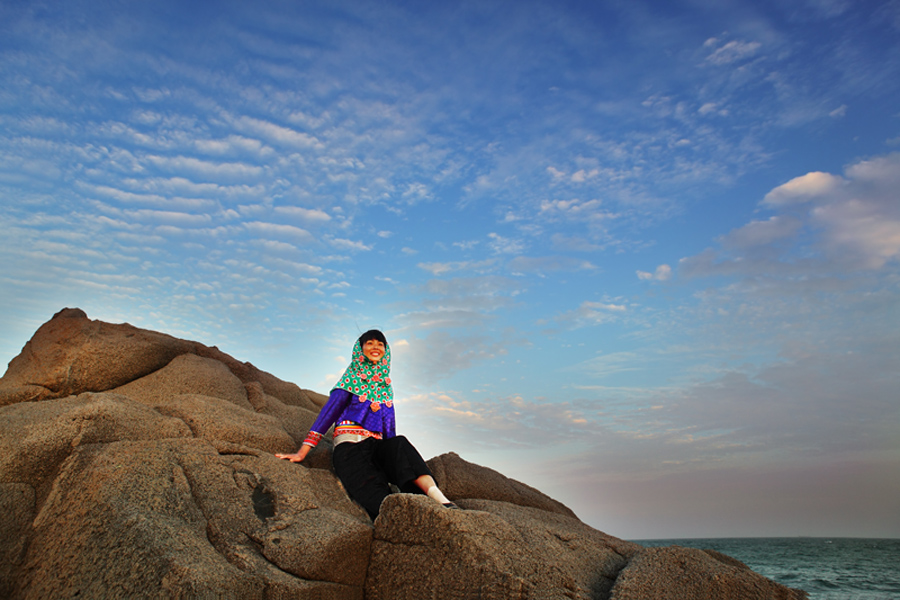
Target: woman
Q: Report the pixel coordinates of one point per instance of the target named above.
(368, 455)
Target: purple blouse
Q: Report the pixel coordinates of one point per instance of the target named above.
(344, 406)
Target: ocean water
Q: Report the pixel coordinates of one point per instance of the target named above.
(827, 568)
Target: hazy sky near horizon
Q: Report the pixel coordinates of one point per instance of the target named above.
(640, 255)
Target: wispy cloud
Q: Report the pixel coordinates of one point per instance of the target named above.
(289, 232)
(729, 52)
(438, 269)
(591, 313)
(278, 135)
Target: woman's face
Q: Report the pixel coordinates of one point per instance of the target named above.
(373, 350)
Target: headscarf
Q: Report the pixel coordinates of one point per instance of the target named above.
(370, 381)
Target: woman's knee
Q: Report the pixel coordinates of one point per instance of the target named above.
(402, 442)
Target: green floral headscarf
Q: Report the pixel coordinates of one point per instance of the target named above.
(370, 381)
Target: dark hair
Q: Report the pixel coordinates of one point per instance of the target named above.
(372, 334)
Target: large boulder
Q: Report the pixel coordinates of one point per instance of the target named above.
(491, 550)
(181, 518)
(461, 479)
(134, 464)
(71, 354)
(676, 573)
(36, 437)
(188, 374)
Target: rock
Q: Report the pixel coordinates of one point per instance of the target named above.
(305, 545)
(16, 515)
(188, 374)
(295, 420)
(676, 573)
(173, 518)
(36, 437)
(212, 419)
(498, 551)
(70, 354)
(460, 479)
(134, 464)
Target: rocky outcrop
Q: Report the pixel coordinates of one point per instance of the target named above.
(491, 550)
(134, 464)
(70, 354)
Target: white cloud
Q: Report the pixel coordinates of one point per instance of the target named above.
(179, 219)
(544, 264)
(556, 173)
(276, 230)
(591, 313)
(762, 233)
(832, 225)
(232, 145)
(442, 268)
(305, 214)
(511, 419)
(574, 243)
(881, 172)
(351, 245)
(296, 268)
(503, 245)
(731, 52)
(276, 246)
(590, 213)
(181, 186)
(416, 192)
(860, 227)
(606, 365)
(480, 295)
(804, 188)
(127, 197)
(859, 215)
(662, 273)
(570, 209)
(277, 134)
(221, 172)
(580, 176)
(443, 318)
(467, 245)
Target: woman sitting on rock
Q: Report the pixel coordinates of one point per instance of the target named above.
(368, 455)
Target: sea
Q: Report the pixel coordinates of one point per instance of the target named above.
(826, 568)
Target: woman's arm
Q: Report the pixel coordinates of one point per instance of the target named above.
(337, 404)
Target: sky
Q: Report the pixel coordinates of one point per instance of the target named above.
(643, 256)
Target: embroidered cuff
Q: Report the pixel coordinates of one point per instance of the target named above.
(312, 439)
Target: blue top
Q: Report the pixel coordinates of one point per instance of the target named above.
(344, 406)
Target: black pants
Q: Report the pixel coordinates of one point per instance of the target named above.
(367, 468)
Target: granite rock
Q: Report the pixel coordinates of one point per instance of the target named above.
(461, 479)
(497, 551)
(675, 573)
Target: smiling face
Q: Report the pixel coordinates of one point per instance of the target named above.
(373, 350)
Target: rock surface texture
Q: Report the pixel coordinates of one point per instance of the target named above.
(134, 464)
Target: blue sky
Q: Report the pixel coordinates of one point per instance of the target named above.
(640, 255)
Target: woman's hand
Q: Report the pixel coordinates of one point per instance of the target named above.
(297, 456)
